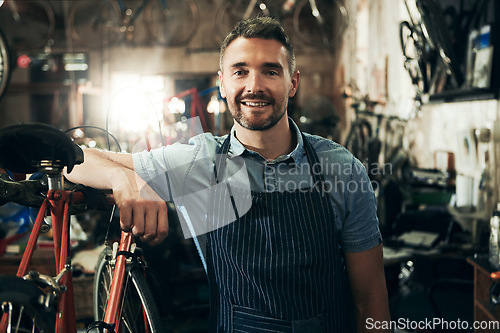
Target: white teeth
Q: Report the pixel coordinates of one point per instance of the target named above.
(256, 104)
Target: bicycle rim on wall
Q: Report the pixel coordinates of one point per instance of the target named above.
(94, 23)
(322, 27)
(172, 23)
(230, 13)
(5, 64)
(28, 25)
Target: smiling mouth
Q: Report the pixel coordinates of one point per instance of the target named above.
(256, 104)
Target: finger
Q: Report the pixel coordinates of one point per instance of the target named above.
(162, 226)
(151, 221)
(138, 216)
(125, 217)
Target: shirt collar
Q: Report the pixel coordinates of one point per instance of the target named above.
(236, 148)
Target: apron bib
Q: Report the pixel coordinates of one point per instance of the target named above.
(278, 268)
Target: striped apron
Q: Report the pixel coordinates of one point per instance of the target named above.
(279, 267)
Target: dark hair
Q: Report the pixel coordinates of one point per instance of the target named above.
(260, 27)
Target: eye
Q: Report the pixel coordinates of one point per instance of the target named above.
(239, 72)
(273, 73)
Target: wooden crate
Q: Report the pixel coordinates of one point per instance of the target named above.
(83, 291)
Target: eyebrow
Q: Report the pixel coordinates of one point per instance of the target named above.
(266, 65)
(273, 65)
(239, 64)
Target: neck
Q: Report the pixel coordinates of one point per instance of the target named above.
(271, 143)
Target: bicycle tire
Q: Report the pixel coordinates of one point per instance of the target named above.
(434, 22)
(172, 26)
(138, 300)
(27, 24)
(357, 140)
(5, 64)
(312, 32)
(229, 13)
(353, 142)
(413, 57)
(95, 23)
(26, 313)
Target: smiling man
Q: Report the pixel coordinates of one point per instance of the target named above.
(306, 254)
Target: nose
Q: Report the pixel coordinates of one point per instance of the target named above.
(254, 83)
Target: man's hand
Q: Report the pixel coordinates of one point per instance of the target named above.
(142, 211)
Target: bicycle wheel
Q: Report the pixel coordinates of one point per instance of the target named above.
(439, 35)
(320, 24)
(139, 311)
(357, 140)
(27, 24)
(95, 23)
(172, 23)
(412, 53)
(21, 308)
(5, 64)
(229, 13)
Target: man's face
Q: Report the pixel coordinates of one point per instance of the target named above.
(256, 82)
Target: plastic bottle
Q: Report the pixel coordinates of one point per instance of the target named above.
(494, 251)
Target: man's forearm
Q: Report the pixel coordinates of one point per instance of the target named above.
(373, 316)
(142, 211)
(367, 279)
(101, 169)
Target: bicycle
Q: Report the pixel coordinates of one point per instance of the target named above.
(28, 25)
(318, 24)
(429, 56)
(5, 64)
(376, 139)
(359, 138)
(147, 22)
(39, 303)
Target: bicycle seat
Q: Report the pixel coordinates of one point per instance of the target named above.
(24, 146)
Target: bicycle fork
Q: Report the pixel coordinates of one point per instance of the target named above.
(122, 256)
(113, 309)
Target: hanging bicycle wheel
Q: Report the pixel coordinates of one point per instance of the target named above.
(173, 22)
(229, 13)
(95, 23)
(320, 24)
(27, 24)
(139, 312)
(413, 57)
(5, 64)
(21, 308)
(440, 36)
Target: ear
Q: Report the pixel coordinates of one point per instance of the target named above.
(295, 84)
(221, 86)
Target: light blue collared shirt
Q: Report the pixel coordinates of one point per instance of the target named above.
(190, 169)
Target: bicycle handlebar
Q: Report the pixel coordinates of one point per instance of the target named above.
(32, 193)
(25, 192)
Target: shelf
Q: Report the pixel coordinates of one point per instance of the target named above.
(485, 309)
(463, 95)
(39, 88)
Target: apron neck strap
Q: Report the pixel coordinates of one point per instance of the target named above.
(314, 164)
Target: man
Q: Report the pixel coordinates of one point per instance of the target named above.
(307, 247)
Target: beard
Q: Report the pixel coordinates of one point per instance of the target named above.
(279, 110)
